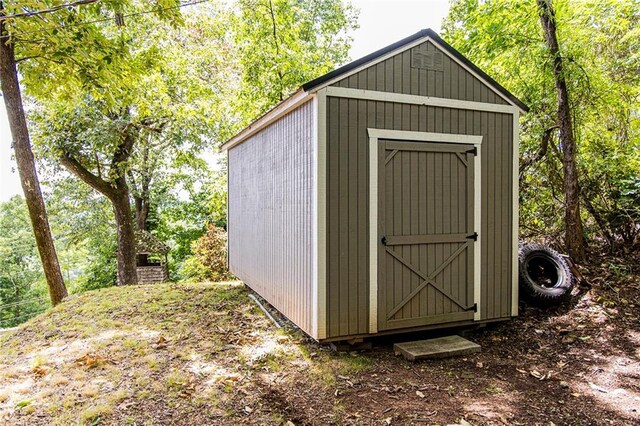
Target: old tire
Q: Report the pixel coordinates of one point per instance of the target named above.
(545, 276)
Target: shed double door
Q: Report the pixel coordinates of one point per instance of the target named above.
(425, 229)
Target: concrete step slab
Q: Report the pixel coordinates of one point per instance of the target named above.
(441, 347)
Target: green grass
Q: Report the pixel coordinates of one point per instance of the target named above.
(201, 349)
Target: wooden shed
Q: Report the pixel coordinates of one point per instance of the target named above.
(382, 197)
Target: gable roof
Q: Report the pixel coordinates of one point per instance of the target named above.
(147, 243)
(338, 72)
(306, 91)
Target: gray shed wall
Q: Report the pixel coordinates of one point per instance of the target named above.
(348, 180)
(270, 213)
(396, 75)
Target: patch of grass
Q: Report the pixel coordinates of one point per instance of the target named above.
(494, 389)
(23, 403)
(94, 414)
(29, 409)
(118, 396)
(353, 364)
(58, 380)
(143, 394)
(68, 403)
(89, 391)
(176, 380)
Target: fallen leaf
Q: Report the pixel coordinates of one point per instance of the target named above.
(598, 388)
(91, 360)
(39, 371)
(420, 394)
(538, 375)
(161, 343)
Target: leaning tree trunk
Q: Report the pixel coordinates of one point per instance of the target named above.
(126, 255)
(27, 171)
(574, 236)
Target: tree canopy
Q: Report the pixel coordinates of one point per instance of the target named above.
(599, 41)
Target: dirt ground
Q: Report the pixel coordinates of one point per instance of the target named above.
(205, 354)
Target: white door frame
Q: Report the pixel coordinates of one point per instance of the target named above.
(374, 136)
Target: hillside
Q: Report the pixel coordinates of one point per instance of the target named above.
(205, 354)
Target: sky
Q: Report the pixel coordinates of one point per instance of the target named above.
(382, 22)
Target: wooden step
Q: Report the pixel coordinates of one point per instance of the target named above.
(441, 347)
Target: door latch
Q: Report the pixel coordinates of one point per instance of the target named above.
(384, 241)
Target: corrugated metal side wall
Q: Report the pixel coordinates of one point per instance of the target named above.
(270, 213)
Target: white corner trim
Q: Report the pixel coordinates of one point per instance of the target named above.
(374, 95)
(227, 211)
(477, 225)
(515, 213)
(314, 224)
(321, 215)
(373, 233)
(374, 136)
(424, 136)
(411, 45)
(269, 117)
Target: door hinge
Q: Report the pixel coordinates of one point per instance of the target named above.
(384, 241)
(473, 308)
(473, 236)
(473, 151)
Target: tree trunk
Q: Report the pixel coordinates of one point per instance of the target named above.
(574, 236)
(117, 192)
(126, 255)
(142, 214)
(27, 170)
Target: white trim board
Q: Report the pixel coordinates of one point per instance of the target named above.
(374, 137)
(407, 135)
(314, 225)
(515, 214)
(409, 46)
(284, 107)
(320, 193)
(302, 96)
(401, 98)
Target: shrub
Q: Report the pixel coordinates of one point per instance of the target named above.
(209, 260)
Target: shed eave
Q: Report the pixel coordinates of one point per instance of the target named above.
(287, 105)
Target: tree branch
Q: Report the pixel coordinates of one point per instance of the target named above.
(544, 145)
(50, 10)
(75, 167)
(123, 152)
